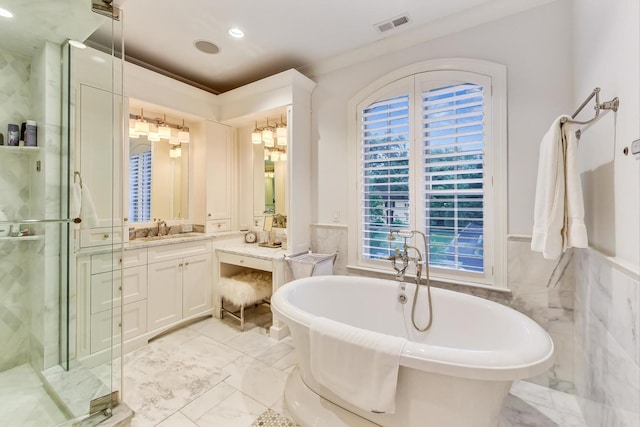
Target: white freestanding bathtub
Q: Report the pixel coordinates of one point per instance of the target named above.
(456, 374)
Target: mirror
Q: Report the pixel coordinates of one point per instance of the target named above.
(158, 180)
(269, 188)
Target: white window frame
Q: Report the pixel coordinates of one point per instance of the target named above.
(410, 79)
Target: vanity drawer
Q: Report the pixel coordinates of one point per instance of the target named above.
(100, 236)
(179, 250)
(245, 261)
(102, 263)
(217, 225)
(105, 329)
(105, 288)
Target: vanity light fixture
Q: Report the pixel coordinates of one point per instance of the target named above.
(281, 132)
(283, 156)
(164, 131)
(142, 126)
(183, 134)
(157, 129)
(175, 152)
(132, 129)
(256, 135)
(275, 156)
(267, 135)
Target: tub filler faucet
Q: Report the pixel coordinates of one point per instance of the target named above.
(405, 258)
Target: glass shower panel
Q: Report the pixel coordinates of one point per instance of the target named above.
(44, 378)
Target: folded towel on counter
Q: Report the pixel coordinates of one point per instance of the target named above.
(559, 210)
(357, 365)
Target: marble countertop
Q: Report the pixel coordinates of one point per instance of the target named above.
(251, 249)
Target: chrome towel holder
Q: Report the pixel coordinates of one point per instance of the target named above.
(608, 105)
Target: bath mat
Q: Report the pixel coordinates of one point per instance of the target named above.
(271, 418)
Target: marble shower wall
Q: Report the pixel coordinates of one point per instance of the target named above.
(15, 107)
(541, 289)
(607, 347)
(46, 191)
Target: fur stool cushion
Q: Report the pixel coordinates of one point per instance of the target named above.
(246, 288)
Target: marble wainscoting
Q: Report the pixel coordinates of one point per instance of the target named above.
(607, 347)
(541, 289)
(327, 239)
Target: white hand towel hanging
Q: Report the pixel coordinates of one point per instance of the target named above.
(88, 212)
(559, 211)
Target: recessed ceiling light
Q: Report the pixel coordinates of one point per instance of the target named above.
(236, 32)
(5, 13)
(77, 44)
(206, 47)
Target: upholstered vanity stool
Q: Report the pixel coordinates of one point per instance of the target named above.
(243, 289)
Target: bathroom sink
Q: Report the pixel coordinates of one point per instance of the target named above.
(168, 237)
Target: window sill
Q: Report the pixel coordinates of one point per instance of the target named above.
(386, 274)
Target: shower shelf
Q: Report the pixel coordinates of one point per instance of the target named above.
(30, 238)
(21, 150)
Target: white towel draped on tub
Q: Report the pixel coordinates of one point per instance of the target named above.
(357, 365)
(559, 209)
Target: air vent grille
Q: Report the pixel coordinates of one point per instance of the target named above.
(392, 23)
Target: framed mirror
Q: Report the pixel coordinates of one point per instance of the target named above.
(158, 174)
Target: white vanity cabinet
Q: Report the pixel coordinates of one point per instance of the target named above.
(179, 282)
(108, 285)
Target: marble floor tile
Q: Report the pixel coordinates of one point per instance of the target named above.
(211, 374)
(252, 377)
(238, 410)
(207, 401)
(24, 402)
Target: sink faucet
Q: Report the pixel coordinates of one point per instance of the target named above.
(160, 224)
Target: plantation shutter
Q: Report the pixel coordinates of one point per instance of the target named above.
(140, 187)
(453, 129)
(385, 173)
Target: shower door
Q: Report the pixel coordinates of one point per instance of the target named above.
(42, 381)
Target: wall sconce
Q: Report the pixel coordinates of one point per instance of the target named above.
(183, 134)
(141, 127)
(175, 152)
(256, 135)
(157, 129)
(164, 131)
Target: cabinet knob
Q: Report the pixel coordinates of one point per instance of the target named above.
(208, 214)
(180, 265)
(126, 219)
(120, 261)
(106, 236)
(186, 263)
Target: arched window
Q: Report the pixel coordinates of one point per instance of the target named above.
(431, 156)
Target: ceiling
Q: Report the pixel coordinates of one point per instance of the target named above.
(38, 20)
(279, 35)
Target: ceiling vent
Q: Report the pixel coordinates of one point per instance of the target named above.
(390, 24)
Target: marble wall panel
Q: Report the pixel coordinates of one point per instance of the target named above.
(607, 313)
(15, 196)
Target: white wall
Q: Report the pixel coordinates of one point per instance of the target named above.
(536, 48)
(607, 54)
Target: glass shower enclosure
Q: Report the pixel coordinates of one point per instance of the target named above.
(43, 381)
